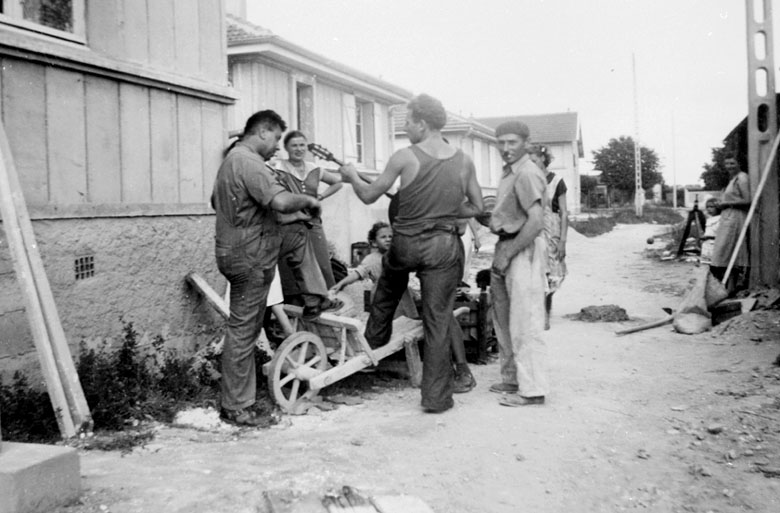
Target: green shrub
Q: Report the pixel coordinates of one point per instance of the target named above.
(594, 226)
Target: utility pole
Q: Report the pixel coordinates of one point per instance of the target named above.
(639, 194)
(761, 132)
(674, 167)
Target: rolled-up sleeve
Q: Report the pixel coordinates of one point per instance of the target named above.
(529, 188)
(260, 185)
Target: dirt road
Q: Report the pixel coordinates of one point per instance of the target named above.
(625, 426)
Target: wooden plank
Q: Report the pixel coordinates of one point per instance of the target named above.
(103, 148)
(136, 30)
(9, 197)
(66, 136)
(105, 28)
(186, 30)
(24, 108)
(162, 39)
(213, 47)
(213, 143)
(209, 294)
(190, 151)
(165, 157)
(135, 152)
(69, 378)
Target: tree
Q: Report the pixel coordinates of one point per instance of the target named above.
(616, 163)
(715, 176)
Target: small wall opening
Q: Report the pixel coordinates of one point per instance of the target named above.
(84, 267)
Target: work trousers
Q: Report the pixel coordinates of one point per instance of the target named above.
(437, 258)
(518, 319)
(249, 285)
(321, 252)
(298, 265)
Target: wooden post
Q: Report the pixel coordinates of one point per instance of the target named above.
(30, 295)
(761, 131)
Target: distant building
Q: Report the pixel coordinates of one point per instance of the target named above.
(476, 139)
(341, 108)
(562, 134)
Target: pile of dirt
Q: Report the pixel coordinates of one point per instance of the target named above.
(601, 313)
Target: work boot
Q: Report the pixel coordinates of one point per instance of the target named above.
(464, 380)
(243, 417)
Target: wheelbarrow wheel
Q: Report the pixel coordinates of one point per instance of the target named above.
(299, 358)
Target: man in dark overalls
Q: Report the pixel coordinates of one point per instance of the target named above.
(245, 196)
(438, 187)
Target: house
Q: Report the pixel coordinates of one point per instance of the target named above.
(562, 134)
(476, 139)
(116, 114)
(341, 108)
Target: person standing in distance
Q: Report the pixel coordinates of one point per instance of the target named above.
(438, 188)
(517, 281)
(245, 196)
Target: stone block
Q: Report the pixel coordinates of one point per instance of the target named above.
(35, 478)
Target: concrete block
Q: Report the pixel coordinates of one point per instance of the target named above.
(37, 478)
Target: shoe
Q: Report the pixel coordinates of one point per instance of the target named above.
(439, 409)
(519, 400)
(464, 381)
(331, 304)
(243, 417)
(311, 312)
(503, 388)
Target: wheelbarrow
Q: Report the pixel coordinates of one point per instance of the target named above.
(326, 350)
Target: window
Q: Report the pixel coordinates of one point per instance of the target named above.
(364, 133)
(61, 18)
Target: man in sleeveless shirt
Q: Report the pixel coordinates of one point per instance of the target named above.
(517, 282)
(438, 187)
(245, 196)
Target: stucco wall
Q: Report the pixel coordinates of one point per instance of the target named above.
(140, 265)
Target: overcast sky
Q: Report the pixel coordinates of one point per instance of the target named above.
(504, 57)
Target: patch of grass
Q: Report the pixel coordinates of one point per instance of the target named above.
(594, 226)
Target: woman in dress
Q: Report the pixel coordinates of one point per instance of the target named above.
(734, 205)
(556, 225)
(305, 177)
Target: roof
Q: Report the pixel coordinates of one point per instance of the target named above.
(455, 123)
(545, 128)
(246, 38)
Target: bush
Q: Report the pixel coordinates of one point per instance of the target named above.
(122, 386)
(594, 226)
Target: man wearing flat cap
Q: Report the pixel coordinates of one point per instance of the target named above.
(517, 279)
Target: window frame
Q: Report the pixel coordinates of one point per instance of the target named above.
(14, 17)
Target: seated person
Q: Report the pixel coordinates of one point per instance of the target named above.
(379, 238)
(711, 227)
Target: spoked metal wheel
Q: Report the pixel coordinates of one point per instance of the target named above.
(299, 358)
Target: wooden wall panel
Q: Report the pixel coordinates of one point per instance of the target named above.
(103, 159)
(135, 153)
(24, 116)
(213, 144)
(162, 38)
(66, 137)
(105, 27)
(136, 30)
(213, 46)
(190, 151)
(186, 28)
(164, 137)
(242, 83)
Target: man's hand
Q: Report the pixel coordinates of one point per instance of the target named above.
(349, 173)
(562, 248)
(501, 260)
(314, 208)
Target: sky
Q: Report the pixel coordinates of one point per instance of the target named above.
(504, 57)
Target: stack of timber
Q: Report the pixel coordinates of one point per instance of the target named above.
(62, 381)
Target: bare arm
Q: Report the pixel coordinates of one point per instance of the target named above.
(287, 202)
(506, 251)
(333, 180)
(473, 206)
(351, 277)
(564, 213)
(370, 192)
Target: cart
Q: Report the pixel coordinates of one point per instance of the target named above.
(326, 350)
